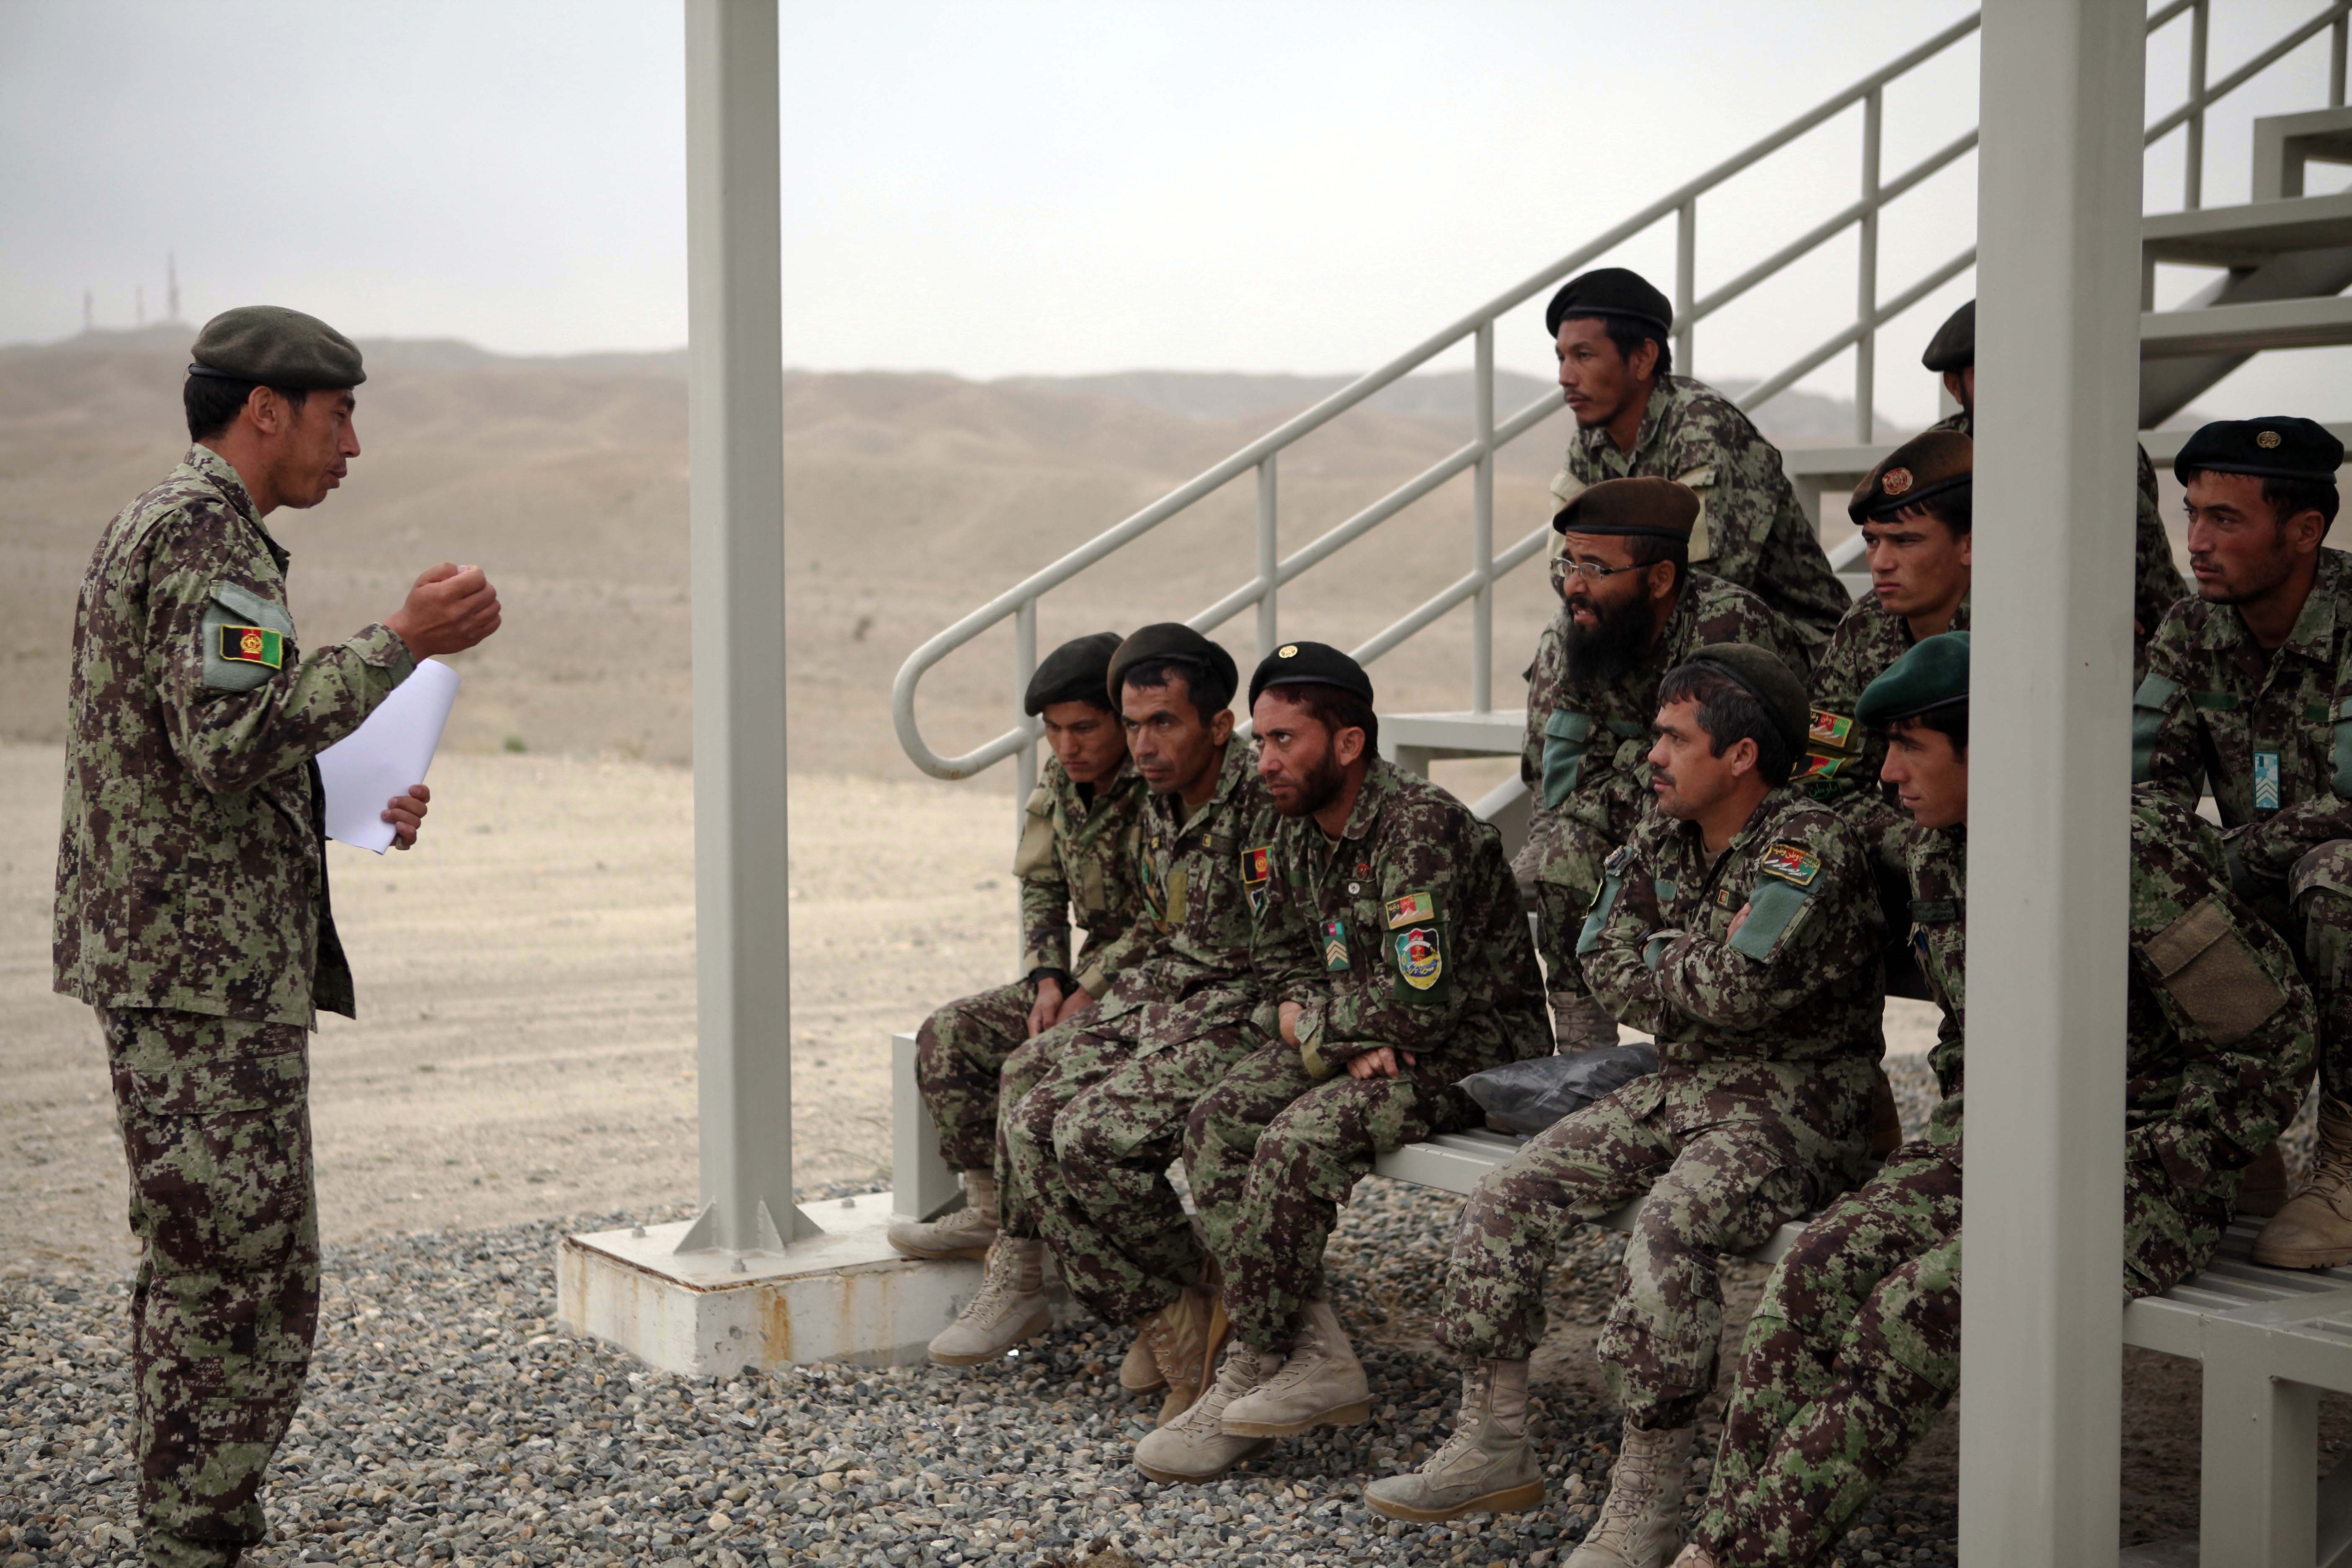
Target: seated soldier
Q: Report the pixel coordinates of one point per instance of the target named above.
(1092, 1111)
(1740, 926)
(1631, 609)
(2248, 693)
(1076, 854)
(1610, 329)
(1856, 1346)
(1393, 952)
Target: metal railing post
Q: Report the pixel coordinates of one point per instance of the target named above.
(1685, 283)
(1482, 525)
(2193, 173)
(1865, 308)
(1024, 665)
(2338, 36)
(1269, 621)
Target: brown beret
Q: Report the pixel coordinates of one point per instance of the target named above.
(274, 346)
(1954, 346)
(1768, 680)
(1176, 642)
(1649, 507)
(1934, 464)
(1075, 673)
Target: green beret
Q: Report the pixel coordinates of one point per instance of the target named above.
(1769, 681)
(1931, 464)
(2281, 448)
(273, 346)
(1932, 673)
(1611, 291)
(1077, 671)
(1647, 508)
(1309, 664)
(1954, 346)
(1176, 643)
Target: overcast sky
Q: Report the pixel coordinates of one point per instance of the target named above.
(997, 189)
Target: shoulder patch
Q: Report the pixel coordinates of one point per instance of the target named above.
(1412, 908)
(1257, 864)
(252, 645)
(1790, 863)
(1829, 730)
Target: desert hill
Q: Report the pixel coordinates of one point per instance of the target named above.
(911, 498)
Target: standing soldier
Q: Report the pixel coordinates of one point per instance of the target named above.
(1633, 418)
(2156, 581)
(1631, 609)
(1394, 950)
(1092, 1111)
(191, 909)
(1854, 1347)
(1077, 855)
(2249, 692)
(1740, 926)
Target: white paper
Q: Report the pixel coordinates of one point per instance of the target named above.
(385, 755)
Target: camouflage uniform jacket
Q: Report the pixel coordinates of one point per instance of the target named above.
(1196, 880)
(1841, 758)
(191, 869)
(2271, 732)
(2156, 581)
(1407, 930)
(1751, 528)
(2220, 1031)
(1801, 981)
(1585, 751)
(1077, 855)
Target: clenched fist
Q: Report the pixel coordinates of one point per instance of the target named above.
(450, 610)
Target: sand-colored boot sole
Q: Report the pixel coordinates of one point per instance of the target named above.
(936, 1254)
(1353, 1414)
(2287, 1256)
(1178, 1478)
(1037, 1324)
(1509, 1500)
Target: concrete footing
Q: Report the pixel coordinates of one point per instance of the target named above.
(844, 1296)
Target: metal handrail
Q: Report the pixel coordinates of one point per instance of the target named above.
(1019, 603)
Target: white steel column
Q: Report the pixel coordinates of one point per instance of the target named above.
(736, 510)
(2058, 369)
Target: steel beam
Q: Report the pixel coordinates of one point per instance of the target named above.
(2058, 372)
(735, 418)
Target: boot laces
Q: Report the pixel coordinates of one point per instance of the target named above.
(1630, 1490)
(1233, 1380)
(997, 1285)
(2331, 1166)
(1461, 1440)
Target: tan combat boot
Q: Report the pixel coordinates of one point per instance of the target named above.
(1140, 1372)
(2314, 1229)
(1642, 1522)
(1320, 1384)
(1009, 1307)
(967, 1232)
(1696, 1556)
(1183, 1338)
(1579, 1023)
(1195, 1447)
(1485, 1467)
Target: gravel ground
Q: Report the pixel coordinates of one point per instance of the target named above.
(450, 1419)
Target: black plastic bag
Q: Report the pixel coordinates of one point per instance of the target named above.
(1528, 1097)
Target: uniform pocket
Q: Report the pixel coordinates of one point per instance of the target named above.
(1567, 736)
(2148, 703)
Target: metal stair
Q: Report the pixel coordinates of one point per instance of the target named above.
(2283, 257)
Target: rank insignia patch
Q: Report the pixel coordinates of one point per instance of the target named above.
(1335, 944)
(1257, 864)
(1418, 957)
(2266, 781)
(253, 645)
(1412, 906)
(1790, 863)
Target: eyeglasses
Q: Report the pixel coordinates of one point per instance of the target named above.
(1592, 571)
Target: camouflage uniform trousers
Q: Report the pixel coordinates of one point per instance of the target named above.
(1559, 869)
(1089, 1148)
(1854, 1349)
(1726, 1154)
(216, 1131)
(959, 1056)
(1029, 1065)
(2319, 890)
(1272, 1155)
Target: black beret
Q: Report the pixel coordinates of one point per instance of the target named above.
(1954, 346)
(276, 347)
(1309, 664)
(1931, 464)
(1770, 683)
(2282, 448)
(1611, 291)
(1174, 641)
(1650, 508)
(1932, 673)
(1077, 671)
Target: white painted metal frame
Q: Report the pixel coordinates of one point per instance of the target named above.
(735, 423)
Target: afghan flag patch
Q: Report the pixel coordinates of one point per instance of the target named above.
(1790, 863)
(253, 645)
(1257, 865)
(1412, 909)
